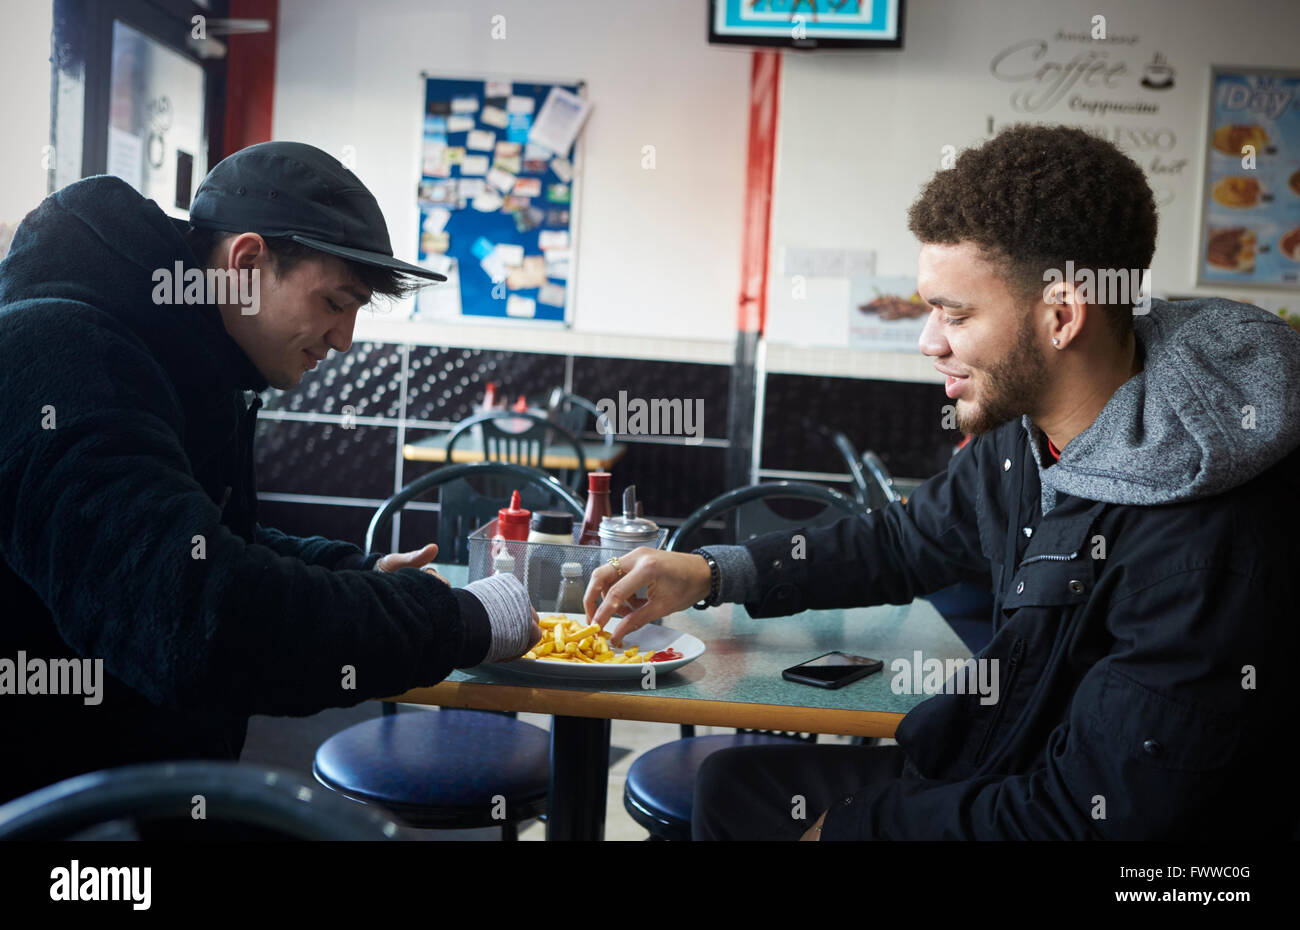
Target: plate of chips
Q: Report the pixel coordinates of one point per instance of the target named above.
(572, 648)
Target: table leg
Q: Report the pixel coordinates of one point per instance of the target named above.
(575, 804)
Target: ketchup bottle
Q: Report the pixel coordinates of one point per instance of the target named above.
(512, 524)
(597, 507)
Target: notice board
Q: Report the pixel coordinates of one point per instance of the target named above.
(496, 207)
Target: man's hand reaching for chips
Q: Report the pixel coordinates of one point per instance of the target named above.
(673, 581)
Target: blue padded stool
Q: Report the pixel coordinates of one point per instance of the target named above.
(441, 769)
(661, 783)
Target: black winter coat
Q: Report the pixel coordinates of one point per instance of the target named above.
(151, 449)
(1147, 694)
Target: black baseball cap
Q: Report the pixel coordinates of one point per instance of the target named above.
(295, 190)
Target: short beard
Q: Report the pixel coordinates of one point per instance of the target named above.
(1011, 386)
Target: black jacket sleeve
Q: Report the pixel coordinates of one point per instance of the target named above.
(316, 550)
(892, 556)
(103, 519)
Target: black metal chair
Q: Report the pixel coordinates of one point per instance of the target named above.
(753, 517)
(449, 769)
(872, 484)
(572, 411)
(660, 784)
(528, 446)
(240, 801)
(463, 508)
(967, 608)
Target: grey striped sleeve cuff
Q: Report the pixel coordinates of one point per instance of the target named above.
(510, 615)
(737, 574)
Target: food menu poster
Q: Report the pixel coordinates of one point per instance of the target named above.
(494, 204)
(886, 314)
(1250, 232)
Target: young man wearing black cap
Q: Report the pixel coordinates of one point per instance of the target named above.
(130, 551)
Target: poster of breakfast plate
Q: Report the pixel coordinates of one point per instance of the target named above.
(1250, 219)
(886, 313)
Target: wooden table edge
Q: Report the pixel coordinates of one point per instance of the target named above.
(738, 714)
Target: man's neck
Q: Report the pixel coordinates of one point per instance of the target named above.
(1085, 389)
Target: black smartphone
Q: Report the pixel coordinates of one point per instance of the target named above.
(832, 670)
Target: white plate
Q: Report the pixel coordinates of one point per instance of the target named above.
(650, 638)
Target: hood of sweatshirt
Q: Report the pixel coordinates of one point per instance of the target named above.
(1216, 403)
(99, 242)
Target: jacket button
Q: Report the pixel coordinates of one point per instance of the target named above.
(1020, 588)
(1006, 465)
(1075, 586)
(1028, 531)
(776, 563)
(1152, 747)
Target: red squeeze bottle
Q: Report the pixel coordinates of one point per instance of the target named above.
(597, 507)
(512, 521)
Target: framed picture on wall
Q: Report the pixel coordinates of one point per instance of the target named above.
(1250, 210)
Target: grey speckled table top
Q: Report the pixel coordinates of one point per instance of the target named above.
(744, 657)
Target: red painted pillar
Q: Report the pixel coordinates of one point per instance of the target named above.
(751, 315)
(764, 87)
(250, 77)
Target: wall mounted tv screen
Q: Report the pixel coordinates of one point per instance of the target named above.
(807, 24)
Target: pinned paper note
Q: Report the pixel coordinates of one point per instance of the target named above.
(503, 181)
(494, 116)
(531, 273)
(520, 104)
(507, 163)
(559, 120)
(512, 254)
(517, 130)
(436, 220)
(434, 242)
(453, 154)
(488, 201)
(431, 158)
(460, 123)
(480, 140)
(551, 294)
(494, 267)
(553, 239)
(475, 165)
(563, 169)
(535, 152)
(498, 88)
(506, 149)
(482, 247)
(521, 306)
(558, 193)
(528, 187)
(557, 263)
(464, 104)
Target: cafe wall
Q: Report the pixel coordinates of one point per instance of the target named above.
(25, 113)
(658, 262)
(860, 133)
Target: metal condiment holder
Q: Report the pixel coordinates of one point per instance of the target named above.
(482, 551)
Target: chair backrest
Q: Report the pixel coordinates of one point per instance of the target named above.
(463, 509)
(239, 793)
(754, 517)
(844, 446)
(504, 441)
(882, 481)
(572, 412)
